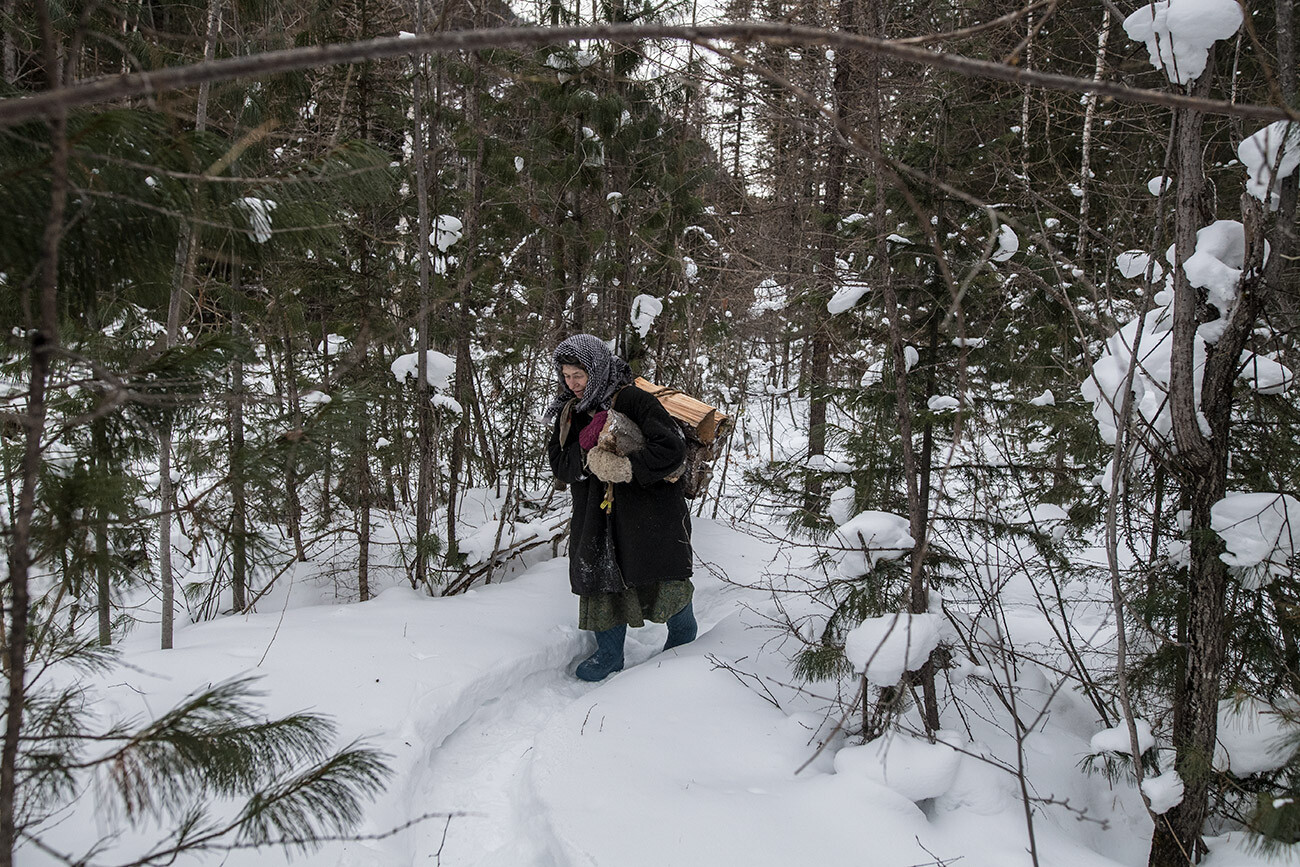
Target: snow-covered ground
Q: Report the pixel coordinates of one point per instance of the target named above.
(706, 754)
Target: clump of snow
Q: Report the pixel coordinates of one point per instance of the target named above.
(1252, 737)
(313, 399)
(883, 648)
(910, 357)
(1104, 387)
(1258, 529)
(1008, 244)
(1179, 33)
(690, 270)
(824, 464)
(439, 370)
(1265, 374)
(447, 230)
(846, 296)
(942, 403)
(614, 201)
(841, 505)
(258, 211)
(768, 295)
(519, 164)
(1159, 184)
(1216, 267)
(1116, 739)
(915, 768)
(645, 308)
(1164, 791)
(332, 345)
(1134, 263)
(1047, 517)
(972, 342)
(443, 401)
(852, 220)
(874, 373)
(1270, 156)
(870, 537)
(1044, 399)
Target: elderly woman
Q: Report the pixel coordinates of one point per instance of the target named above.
(630, 539)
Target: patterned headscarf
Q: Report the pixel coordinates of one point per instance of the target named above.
(606, 374)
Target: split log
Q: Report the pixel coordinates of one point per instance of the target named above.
(703, 420)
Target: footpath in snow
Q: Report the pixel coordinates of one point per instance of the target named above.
(686, 757)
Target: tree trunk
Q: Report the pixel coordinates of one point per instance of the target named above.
(103, 588)
(423, 407)
(1089, 117)
(238, 495)
(45, 340)
(464, 371)
(182, 281)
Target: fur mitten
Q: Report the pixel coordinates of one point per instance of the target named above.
(609, 467)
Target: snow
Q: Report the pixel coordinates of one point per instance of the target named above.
(1104, 387)
(1253, 738)
(1164, 791)
(1179, 33)
(768, 295)
(447, 230)
(910, 357)
(1044, 399)
(443, 401)
(1134, 263)
(1265, 374)
(1008, 244)
(841, 504)
(1270, 156)
(645, 309)
(258, 211)
(845, 297)
(913, 767)
(1116, 739)
(942, 403)
(439, 368)
(884, 648)
(1159, 184)
(868, 538)
(1258, 530)
(1216, 267)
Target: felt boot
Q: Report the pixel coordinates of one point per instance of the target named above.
(608, 657)
(682, 628)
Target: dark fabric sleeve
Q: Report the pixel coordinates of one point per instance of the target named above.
(566, 458)
(665, 447)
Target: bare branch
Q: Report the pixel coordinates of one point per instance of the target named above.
(20, 109)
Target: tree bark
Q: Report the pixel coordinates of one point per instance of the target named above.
(423, 407)
(238, 495)
(45, 340)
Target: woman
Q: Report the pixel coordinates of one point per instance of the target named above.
(630, 539)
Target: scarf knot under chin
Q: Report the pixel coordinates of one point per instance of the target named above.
(606, 374)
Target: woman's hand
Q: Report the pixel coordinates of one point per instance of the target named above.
(588, 435)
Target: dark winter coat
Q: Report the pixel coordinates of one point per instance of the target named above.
(647, 534)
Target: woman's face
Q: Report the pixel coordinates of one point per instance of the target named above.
(575, 378)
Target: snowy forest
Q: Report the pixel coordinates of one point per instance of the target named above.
(995, 566)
